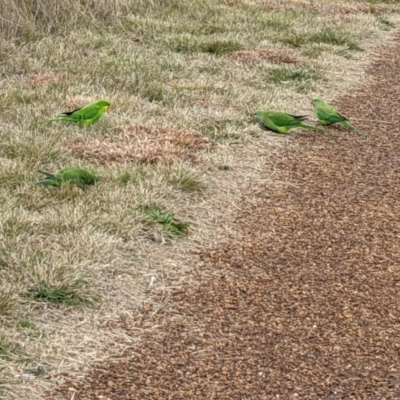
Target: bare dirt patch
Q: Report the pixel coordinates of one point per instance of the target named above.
(142, 144)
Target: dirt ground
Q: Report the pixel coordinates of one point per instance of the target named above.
(304, 301)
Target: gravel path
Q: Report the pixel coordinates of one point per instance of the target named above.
(304, 301)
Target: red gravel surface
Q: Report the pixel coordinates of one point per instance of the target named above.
(304, 303)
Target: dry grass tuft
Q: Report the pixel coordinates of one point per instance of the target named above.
(185, 84)
(40, 16)
(273, 56)
(329, 9)
(142, 144)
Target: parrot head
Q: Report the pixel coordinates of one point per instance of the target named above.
(316, 100)
(104, 104)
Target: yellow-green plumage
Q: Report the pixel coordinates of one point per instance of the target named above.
(281, 122)
(85, 115)
(78, 176)
(328, 115)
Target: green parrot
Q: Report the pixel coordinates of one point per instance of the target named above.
(85, 115)
(328, 115)
(76, 175)
(281, 122)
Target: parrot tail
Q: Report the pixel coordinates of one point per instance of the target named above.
(299, 117)
(52, 182)
(350, 126)
(47, 174)
(311, 127)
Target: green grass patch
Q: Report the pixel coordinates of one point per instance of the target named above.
(29, 329)
(25, 324)
(68, 295)
(167, 220)
(220, 47)
(333, 36)
(186, 180)
(125, 178)
(394, 2)
(217, 47)
(385, 23)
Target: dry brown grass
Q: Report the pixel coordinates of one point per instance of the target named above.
(328, 8)
(142, 144)
(38, 16)
(44, 79)
(273, 56)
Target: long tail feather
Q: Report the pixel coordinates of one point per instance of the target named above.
(299, 117)
(350, 126)
(311, 127)
(59, 118)
(51, 182)
(51, 176)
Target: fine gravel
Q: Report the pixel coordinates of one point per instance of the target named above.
(304, 301)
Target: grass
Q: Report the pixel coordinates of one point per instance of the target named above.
(186, 179)
(166, 220)
(62, 294)
(24, 324)
(303, 80)
(8, 350)
(6, 303)
(386, 24)
(182, 177)
(223, 130)
(334, 36)
(4, 389)
(183, 79)
(216, 46)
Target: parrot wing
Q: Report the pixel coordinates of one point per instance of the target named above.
(69, 113)
(282, 119)
(327, 114)
(79, 175)
(330, 117)
(47, 174)
(85, 113)
(51, 179)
